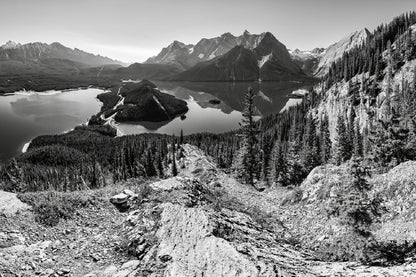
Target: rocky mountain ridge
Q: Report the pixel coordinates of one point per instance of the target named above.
(336, 50)
(187, 56)
(39, 51)
(313, 63)
(269, 60)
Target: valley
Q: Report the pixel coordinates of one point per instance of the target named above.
(228, 156)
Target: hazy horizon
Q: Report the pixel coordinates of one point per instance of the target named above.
(133, 31)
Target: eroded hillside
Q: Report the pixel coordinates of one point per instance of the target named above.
(202, 222)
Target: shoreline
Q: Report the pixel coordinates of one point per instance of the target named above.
(295, 98)
(51, 91)
(26, 146)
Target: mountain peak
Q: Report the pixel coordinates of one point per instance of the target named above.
(57, 45)
(227, 35)
(11, 45)
(268, 35)
(246, 33)
(177, 44)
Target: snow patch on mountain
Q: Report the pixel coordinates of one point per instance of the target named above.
(264, 60)
(264, 96)
(11, 45)
(205, 50)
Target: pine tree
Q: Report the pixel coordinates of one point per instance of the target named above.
(159, 166)
(350, 132)
(281, 170)
(150, 168)
(138, 169)
(174, 168)
(98, 177)
(246, 167)
(310, 157)
(389, 80)
(389, 142)
(326, 144)
(355, 208)
(341, 147)
(357, 141)
(181, 138)
(409, 47)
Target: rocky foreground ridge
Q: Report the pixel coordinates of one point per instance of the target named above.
(202, 222)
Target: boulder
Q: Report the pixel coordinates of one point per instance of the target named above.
(123, 201)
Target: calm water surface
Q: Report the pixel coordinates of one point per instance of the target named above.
(206, 117)
(25, 116)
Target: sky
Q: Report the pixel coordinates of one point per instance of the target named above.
(133, 30)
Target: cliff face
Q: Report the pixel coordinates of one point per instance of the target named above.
(342, 97)
(336, 50)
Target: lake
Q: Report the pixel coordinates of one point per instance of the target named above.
(24, 116)
(204, 116)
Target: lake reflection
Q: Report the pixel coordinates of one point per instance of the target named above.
(205, 116)
(25, 116)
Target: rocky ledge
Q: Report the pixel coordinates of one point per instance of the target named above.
(205, 223)
(202, 222)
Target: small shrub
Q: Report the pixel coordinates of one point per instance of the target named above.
(50, 207)
(347, 247)
(392, 253)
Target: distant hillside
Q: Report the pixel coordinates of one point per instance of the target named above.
(37, 51)
(318, 61)
(139, 71)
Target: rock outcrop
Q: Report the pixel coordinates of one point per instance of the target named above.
(205, 223)
(122, 201)
(10, 204)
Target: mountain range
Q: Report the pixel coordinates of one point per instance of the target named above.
(212, 59)
(187, 56)
(46, 55)
(248, 57)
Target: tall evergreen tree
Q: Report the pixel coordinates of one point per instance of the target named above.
(341, 147)
(181, 138)
(326, 144)
(356, 209)
(310, 157)
(245, 166)
(357, 140)
(174, 167)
